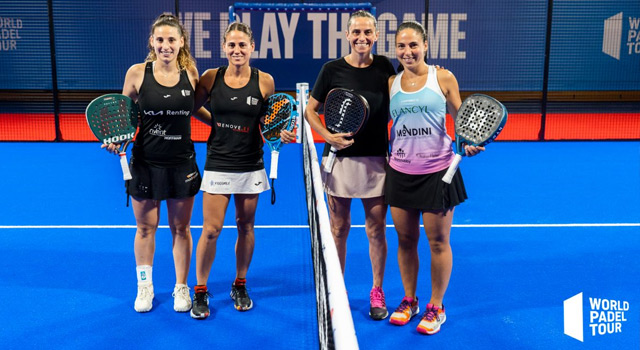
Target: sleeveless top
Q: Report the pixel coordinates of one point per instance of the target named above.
(164, 137)
(235, 143)
(419, 140)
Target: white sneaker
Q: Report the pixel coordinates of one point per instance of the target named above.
(144, 300)
(181, 298)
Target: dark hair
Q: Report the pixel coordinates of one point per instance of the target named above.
(364, 14)
(419, 29)
(241, 27)
(185, 60)
(415, 26)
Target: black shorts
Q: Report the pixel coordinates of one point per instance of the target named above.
(159, 183)
(423, 192)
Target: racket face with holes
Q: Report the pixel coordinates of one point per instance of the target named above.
(480, 120)
(345, 111)
(281, 114)
(113, 118)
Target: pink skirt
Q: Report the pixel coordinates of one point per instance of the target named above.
(355, 177)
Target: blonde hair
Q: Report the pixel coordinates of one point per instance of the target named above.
(185, 60)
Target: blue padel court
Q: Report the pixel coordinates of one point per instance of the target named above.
(544, 222)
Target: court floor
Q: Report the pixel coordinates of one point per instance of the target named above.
(545, 221)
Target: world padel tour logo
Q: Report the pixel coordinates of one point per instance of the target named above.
(613, 38)
(606, 317)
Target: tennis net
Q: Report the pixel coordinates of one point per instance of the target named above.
(335, 324)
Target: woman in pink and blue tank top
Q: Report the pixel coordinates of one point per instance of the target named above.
(421, 152)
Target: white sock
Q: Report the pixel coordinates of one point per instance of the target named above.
(144, 274)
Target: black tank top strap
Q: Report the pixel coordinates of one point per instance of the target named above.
(164, 136)
(235, 143)
(219, 75)
(148, 68)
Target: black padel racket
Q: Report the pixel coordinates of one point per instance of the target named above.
(480, 120)
(344, 112)
(113, 118)
(280, 114)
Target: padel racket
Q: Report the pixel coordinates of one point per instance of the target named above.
(113, 118)
(280, 114)
(480, 120)
(344, 112)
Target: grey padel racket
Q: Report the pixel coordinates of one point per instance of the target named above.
(480, 120)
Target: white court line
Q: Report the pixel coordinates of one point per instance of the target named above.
(130, 226)
(306, 226)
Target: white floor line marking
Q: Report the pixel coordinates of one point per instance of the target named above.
(306, 226)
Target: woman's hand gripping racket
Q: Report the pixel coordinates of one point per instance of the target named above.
(480, 120)
(281, 114)
(113, 118)
(344, 112)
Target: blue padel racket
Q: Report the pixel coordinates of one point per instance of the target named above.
(344, 111)
(480, 120)
(280, 114)
(113, 118)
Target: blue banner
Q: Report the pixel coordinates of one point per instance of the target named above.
(488, 45)
(475, 40)
(595, 45)
(97, 41)
(24, 45)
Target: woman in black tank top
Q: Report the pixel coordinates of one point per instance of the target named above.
(234, 160)
(163, 163)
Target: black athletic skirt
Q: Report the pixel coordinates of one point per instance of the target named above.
(159, 183)
(423, 192)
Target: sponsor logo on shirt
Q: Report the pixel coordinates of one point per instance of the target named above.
(399, 156)
(395, 113)
(233, 127)
(158, 131)
(427, 155)
(179, 113)
(399, 160)
(185, 92)
(168, 112)
(252, 101)
(410, 132)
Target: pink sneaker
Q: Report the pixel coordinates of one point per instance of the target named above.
(378, 309)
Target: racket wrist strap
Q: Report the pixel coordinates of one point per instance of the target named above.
(273, 192)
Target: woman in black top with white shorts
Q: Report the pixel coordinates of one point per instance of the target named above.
(163, 165)
(234, 161)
